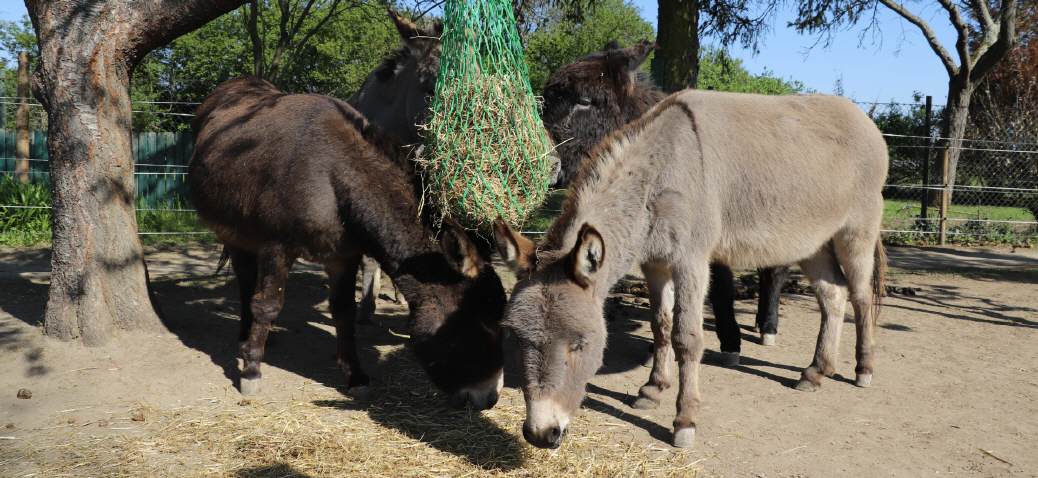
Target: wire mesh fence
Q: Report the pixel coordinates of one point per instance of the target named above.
(994, 198)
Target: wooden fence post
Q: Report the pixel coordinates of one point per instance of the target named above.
(21, 153)
(945, 195)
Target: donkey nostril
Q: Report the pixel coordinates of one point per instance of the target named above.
(554, 434)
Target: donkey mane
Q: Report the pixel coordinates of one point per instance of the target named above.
(599, 162)
(385, 71)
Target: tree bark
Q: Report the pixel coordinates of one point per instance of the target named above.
(676, 64)
(21, 120)
(87, 53)
(953, 125)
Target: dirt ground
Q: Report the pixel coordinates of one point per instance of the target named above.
(955, 390)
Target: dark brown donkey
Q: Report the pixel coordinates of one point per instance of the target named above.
(280, 176)
(600, 93)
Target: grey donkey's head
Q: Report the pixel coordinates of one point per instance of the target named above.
(557, 321)
(396, 95)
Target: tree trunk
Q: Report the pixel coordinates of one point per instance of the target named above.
(21, 120)
(676, 64)
(252, 24)
(87, 53)
(953, 124)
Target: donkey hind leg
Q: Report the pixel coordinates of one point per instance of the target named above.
(722, 301)
(691, 280)
(342, 277)
(855, 253)
(831, 292)
(772, 280)
(272, 268)
(371, 283)
(244, 265)
(661, 301)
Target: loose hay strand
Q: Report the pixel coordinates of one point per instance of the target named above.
(329, 435)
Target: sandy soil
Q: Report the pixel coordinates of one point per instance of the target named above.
(955, 389)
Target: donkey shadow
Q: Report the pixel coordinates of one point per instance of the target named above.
(407, 402)
(202, 311)
(204, 316)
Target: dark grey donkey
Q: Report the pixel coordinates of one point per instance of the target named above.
(395, 97)
(323, 186)
(598, 94)
(737, 179)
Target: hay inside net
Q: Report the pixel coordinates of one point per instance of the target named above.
(488, 151)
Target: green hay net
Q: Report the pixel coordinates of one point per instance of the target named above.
(487, 153)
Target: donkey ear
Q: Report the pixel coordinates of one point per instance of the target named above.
(408, 30)
(587, 256)
(628, 60)
(519, 252)
(460, 252)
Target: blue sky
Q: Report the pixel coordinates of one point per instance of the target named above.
(889, 67)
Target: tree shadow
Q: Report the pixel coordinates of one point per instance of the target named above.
(952, 298)
(409, 403)
(979, 264)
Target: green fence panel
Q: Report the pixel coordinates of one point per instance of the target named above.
(161, 159)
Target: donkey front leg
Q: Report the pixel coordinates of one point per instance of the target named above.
(342, 277)
(771, 282)
(661, 301)
(690, 285)
(272, 268)
(831, 291)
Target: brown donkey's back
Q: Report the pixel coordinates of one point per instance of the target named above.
(280, 176)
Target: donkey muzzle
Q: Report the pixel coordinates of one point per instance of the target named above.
(481, 396)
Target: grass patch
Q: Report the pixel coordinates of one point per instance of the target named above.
(901, 209)
(25, 217)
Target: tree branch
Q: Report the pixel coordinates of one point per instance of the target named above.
(928, 33)
(159, 22)
(989, 57)
(962, 31)
(983, 15)
(332, 11)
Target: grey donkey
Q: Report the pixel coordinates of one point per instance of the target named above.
(737, 179)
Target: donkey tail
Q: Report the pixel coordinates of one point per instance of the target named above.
(225, 255)
(879, 272)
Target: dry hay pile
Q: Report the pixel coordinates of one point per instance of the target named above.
(490, 161)
(399, 433)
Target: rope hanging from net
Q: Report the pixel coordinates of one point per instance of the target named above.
(488, 153)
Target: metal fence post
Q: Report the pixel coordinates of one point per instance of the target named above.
(945, 195)
(21, 153)
(924, 201)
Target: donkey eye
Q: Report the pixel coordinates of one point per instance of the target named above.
(584, 101)
(576, 346)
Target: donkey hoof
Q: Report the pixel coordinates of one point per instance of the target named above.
(360, 392)
(767, 340)
(645, 403)
(685, 437)
(250, 386)
(728, 359)
(805, 385)
(864, 380)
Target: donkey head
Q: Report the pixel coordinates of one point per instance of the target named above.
(556, 316)
(456, 320)
(586, 100)
(396, 95)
